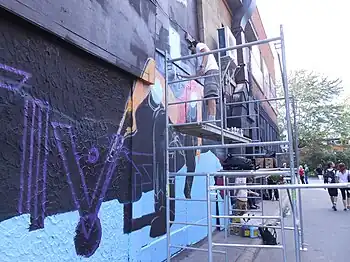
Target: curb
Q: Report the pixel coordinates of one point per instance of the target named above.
(249, 254)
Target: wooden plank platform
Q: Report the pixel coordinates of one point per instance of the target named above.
(210, 131)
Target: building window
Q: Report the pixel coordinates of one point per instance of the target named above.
(256, 66)
(266, 75)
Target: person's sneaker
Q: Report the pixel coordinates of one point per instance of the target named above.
(334, 208)
(345, 209)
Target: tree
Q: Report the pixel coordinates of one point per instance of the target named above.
(320, 113)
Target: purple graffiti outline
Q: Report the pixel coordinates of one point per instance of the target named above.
(37, 108)
(24, 147)
(93, 155)
(16, 71)
(110, 170)
(127, 154)
(77, 157)
(110, 166)
(64, 160)
(38, 165)
(45, 162)
(31, 152)
(115, 146)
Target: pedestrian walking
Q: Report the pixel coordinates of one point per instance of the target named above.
(319, 171)
(306, 171)
(302, 174)
(330, 177)
(344, 177)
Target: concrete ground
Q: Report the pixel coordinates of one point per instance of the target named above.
(327, 232)
(236, 254)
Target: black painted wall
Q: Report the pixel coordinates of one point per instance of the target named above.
(60, 110)
(121, 32)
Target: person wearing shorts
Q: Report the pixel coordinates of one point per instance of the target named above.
(331, 178)
(208, 68)
(241, 203)
(344, 177)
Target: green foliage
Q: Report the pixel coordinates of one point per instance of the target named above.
(324, 156)
(320, 115)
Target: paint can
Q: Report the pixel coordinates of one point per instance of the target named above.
(254, 232)
(245, 231)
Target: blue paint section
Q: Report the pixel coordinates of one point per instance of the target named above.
(55, 241)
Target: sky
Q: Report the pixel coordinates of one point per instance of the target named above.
(316, 32)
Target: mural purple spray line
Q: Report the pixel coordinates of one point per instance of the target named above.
(138, 172)
(31, 153)
(118, 141)
(64, 160)
(45, 162)
(38, 165)
(93, 156)
(16, 71)
(104, 166)
(24, 144)
(33, 115)
(82, 176)
(109, 166)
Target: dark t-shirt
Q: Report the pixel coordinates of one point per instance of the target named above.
(330, 177)
(319, 171)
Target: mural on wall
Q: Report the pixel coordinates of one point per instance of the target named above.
(153, 96)
(145, 160)
(76, 133)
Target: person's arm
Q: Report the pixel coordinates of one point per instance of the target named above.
(203, 49)
(253, 193)
(187, 76)
(336, 176)
(325, 178)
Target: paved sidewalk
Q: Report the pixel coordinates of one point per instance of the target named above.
(326, 231)
(235, 254)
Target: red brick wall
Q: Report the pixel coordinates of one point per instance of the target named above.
(265, 49)
(268, 57)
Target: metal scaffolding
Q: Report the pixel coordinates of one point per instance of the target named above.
(232, 139)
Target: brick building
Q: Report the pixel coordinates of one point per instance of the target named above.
(82, 112)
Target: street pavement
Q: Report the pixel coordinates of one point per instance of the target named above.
(327, 232)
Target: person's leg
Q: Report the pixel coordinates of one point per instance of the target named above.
(211, 89)
(212, 110)
(335, 199)
(302, 179)
(250, 203)
(270, 194)
(343, 195)
(348, 199)
(276, 193)
(334, 202)
(306, 179)
(332, 194)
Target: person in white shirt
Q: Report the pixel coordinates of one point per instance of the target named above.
(344, 177)
(208, 67)
(242, 196)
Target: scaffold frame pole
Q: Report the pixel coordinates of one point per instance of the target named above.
(223, 144)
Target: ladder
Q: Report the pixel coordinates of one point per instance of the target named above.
(231, 139)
